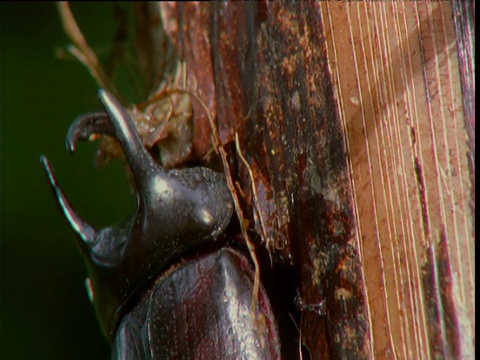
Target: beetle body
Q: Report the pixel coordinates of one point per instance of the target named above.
(149, 304)
(202, 310)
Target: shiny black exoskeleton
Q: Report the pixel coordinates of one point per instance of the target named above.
(149, 305)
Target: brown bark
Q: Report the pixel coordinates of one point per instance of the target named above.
(396, 71)
(268, 61)
(359, 145)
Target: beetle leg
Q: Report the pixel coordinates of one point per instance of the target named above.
(82, 228)
(87, 125)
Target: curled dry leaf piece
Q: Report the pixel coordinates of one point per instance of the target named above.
(164, 121)
(165, 125)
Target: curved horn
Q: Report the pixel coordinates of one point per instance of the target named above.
(82, 228)
(87, 125)
(141, 163)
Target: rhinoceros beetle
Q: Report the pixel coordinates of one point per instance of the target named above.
(150, 303)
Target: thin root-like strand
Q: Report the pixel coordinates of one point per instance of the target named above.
(238, 209)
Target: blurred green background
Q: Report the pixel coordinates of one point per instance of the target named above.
(44, 309)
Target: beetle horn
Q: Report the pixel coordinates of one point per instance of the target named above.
(141, 163)
(87, 125)
(82, 228)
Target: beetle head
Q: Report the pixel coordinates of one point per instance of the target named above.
(176, 211)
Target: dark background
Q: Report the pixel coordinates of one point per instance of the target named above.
(44, 310)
